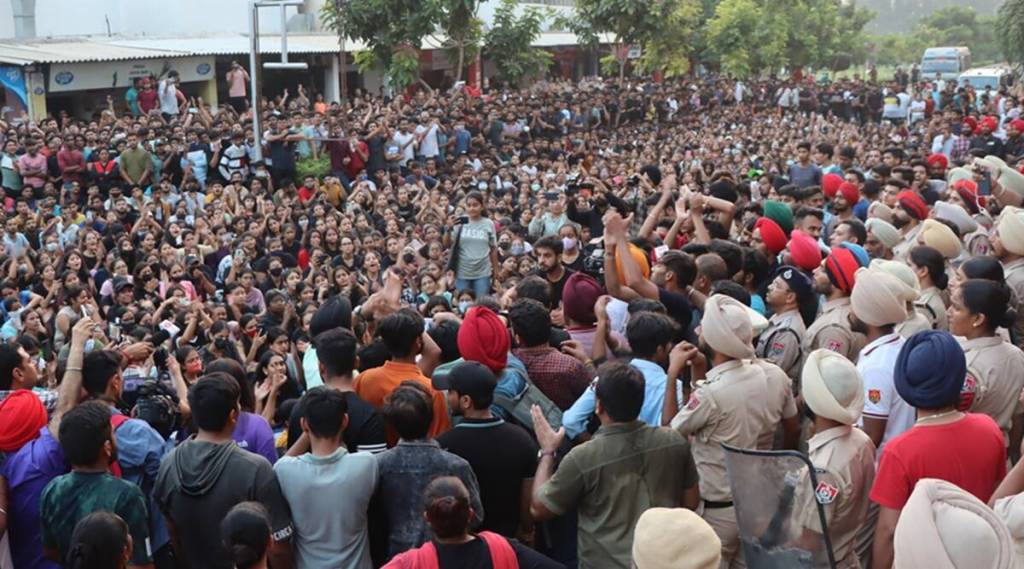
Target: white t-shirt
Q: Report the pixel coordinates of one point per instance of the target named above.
(409, 152)
(168, 94)
(876, 364)
(428, 146)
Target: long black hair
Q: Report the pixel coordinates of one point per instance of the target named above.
(98, 542)
(930, 258)
(990, 299)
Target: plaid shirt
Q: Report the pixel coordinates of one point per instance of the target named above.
(48, 397)
(960, 149)
(559, 376)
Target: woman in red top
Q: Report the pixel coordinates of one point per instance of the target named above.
(966, 449)
(453, 547)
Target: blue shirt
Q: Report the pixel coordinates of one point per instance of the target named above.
(139, 451)
(575, 418)
(28, 471)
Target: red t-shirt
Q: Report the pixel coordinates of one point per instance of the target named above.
(148, 100)
(970, 453)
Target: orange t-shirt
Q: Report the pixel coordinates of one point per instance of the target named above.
(374, 385)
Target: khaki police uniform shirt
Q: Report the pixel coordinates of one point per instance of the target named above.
(844, 464)
(781, 342)
(831, 331)
(931, 305)
(733, 405)
(917, 322)
(1014, 273)
(995, 377)
(901, 252)
(781, 402)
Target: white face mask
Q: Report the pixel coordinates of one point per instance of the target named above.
(569, 243)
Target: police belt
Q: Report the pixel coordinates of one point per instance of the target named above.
(712, 505)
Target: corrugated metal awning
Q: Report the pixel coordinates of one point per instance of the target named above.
(86, 49)
(77, 50)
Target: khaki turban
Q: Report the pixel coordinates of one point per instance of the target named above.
(726, 327)
(956, 215)
(940, 237)
(884, 231)
(1011, 230)
(878, 210)
(901, 271)
(944, 527)
(675, 538)
(878, 298)
(832, 387)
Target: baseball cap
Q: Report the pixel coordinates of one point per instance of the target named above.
(467, 378)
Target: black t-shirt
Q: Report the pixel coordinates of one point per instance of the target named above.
(475, 555)
(556, 287)
(499, 474)
(365, 430)
(679, 308)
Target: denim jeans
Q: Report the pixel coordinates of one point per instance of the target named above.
(480, 286)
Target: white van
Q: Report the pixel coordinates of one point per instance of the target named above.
(992, 77)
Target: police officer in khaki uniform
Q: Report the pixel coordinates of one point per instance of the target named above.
(915, 321)
(781, 343)
(995, 367)
(1008, 247)
(737, 403)
(843, 455)
(834, 280)
(912, 210)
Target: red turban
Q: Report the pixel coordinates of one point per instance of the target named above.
(484, 338)
(989, 122)
(772, 235)
(850, 193)
(841, 265)
(830, 184)
(938, 160)
(22, 415)
(970, 122)
(913, 204)
(1018, 124)
(804, 250)
(968, 191)
(579, 295)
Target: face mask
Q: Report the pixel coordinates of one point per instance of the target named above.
(303, 223)
(569, 243)
(464, 305)
(516, 249)
(194, 368)
(535, 187)
(276, 271)
(52, 246)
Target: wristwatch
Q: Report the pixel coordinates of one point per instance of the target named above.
(541, 453)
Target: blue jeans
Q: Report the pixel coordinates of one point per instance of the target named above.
(480, 286)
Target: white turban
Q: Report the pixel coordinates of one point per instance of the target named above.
(939, 236)
(832, 387)
(956, 215)
(884, 231)
(957, 174)
(944, 527)
(1011, 229)
(726, 327)
(878, 298)
(675, 538)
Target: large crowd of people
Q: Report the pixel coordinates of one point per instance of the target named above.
(514, 327)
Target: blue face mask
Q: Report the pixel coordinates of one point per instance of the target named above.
(465, 305)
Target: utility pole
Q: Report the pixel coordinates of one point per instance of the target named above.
(343, 58)
(255, 71)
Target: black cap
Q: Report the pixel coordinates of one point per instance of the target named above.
(121, 283)
(467, 378)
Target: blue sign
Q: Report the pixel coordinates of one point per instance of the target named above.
(13, 80)
(64, 78)
(203, 69)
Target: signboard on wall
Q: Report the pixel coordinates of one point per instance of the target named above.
(12, 79)
(66, 77)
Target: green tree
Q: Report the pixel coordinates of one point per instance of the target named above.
(509, 42)
(393, 31)
(669, 52)
(463, 32)
(631, 22)
(1010, 28)
(745, 38)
